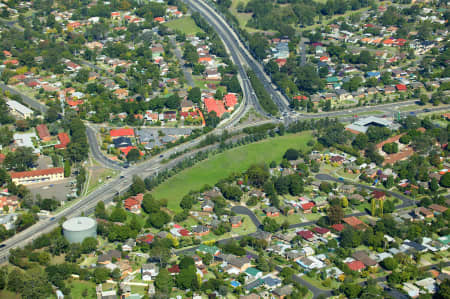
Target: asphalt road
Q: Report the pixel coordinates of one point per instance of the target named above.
(406, 201)
(34, 104)
(186, 71)
(96, 152)
(246, 211)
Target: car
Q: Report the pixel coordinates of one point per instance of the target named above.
(2, 245)
(121, 177)
(426, 110)
(341, 179)
(53, 218)
(161, 156)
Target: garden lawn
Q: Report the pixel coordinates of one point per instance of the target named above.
(77, 287)
(185, 25)
(222, 165)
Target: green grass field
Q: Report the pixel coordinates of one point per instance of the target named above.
(184, 24)
(77, 288)
(222, 165)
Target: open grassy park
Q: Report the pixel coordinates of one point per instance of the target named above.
(185, 25)
(220, 166)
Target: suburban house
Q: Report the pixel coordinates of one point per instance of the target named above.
(201, 230)
(236, 221)
(64, 140)
(207, 206)
(116, 133)
(149, 271)
(272, 212)
(133, 203)
(239, 263)
(355, 223)
(108, 257)
(43, 132)
(363, 257)
(356, 266)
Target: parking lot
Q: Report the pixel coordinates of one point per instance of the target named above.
(57, 189)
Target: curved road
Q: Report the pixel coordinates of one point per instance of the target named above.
(406, 201)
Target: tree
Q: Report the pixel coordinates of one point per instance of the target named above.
(149, 204)
(158, 219)
(257, 175)
(233, 193)
(133, 155)
(194, 94)
(25, 220)
(163, 281)
(21, 159)
(444, 290)
(270, 225)
(351, 290)
(325, 187)
(89, 245)
(118, 215)
(100, 275)
(186, 262)
(335, 214)
(445, 180)
(138, 185)
(187, 278)
(291, 154)
(100, 211)
(6, 135)
(67, 169)
(389, 263)
(434, 186)
(360, 141)
(3, 277)
(15, 281)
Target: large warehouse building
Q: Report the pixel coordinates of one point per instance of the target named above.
(79, 228)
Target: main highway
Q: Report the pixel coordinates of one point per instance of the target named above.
(238, 49)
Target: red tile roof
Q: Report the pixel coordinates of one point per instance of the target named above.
(35, 173)
(308, 205)
(356, 265)
(306, 234)
(401, 87)
(42, 131)
(354, 222)
(215, 105)
(64, 140)
(184, 232)
(126, 150)
(174, 269)
(147, 238)
(338, 227)
(321, 230)
(121, 132)
(378, 194)
(230, 100)
(2, 157)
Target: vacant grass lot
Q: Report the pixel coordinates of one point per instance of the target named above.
(184, 24)
(222, 165)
